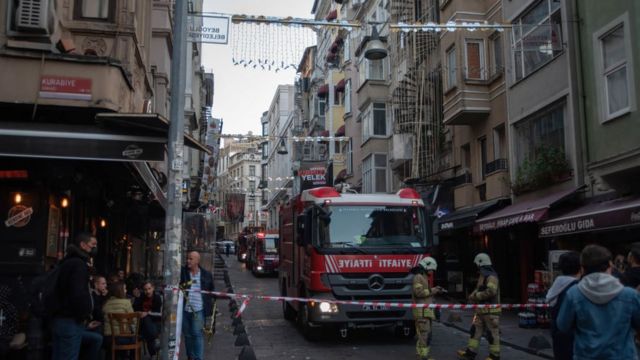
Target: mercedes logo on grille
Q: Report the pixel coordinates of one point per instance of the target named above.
(376, 282)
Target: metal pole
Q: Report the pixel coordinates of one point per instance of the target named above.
(173, 233)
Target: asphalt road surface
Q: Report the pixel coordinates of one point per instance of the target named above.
(272, 337)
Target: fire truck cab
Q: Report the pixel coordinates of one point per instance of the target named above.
(262, 253)
(344, 246)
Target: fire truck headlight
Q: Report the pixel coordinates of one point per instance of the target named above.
(326, 307)
(259, 268)
(243, 256)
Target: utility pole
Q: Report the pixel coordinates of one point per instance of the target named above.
(173, 233)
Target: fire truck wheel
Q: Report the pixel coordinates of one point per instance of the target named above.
(310, 333)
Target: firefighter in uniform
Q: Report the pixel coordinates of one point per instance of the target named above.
(487, 292)
(423, 294)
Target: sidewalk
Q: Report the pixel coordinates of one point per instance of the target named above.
(222, 345)
(510, 333)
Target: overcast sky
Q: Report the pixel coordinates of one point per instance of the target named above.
(243, 94)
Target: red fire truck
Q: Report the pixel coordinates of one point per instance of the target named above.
(262, 253)
(344, 246)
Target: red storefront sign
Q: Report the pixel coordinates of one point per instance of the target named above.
(61, 87)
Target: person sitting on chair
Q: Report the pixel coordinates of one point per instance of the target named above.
(149, 304)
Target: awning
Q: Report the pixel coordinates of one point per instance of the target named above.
(154, 122)
(600, 216)
(524, 212)
(145, 172)
(340, 85)
(333, 14)
(83, 142)
(466, 217)
(323, 90)
(340, 131)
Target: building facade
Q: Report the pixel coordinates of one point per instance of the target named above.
(85, 131)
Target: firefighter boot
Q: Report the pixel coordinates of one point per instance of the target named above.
(466, 354)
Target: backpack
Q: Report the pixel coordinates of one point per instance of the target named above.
(45, 302)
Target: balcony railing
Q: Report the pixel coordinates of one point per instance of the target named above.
(464, 178)
(498, 164)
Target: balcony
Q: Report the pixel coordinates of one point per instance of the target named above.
(466, 105)
(496, 165)
(402, 149)
(94, 82)
(372, 90)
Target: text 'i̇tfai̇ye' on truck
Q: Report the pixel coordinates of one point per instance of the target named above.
(345, 246)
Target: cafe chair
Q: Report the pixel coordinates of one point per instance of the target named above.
(125, 329)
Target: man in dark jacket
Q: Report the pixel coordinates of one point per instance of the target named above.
(197, 306)
(631, 276)
(75, 304)
(149, 304)
(569, 264)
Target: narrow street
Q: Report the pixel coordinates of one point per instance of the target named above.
(272, 337)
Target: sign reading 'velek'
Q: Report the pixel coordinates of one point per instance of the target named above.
(208, 29)
(61, 87)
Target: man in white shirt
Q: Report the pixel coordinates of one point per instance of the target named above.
(198, 306)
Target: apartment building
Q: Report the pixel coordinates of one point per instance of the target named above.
(84, 129)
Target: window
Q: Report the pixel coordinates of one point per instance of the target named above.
(320, 106)
(95, 9)
(346, 48)
(265, 150)
(374, 174)
(616, 89)
(252, 185)
(252, 170)
(350, 156)
(499, 143)
(465, 157)
(497, 55)
(482, 151)
(372, 70)
(347, 96)
(474, 59)
(537, 37)
(451, 68)
(543, 130)
(375, 121)
(265, 129)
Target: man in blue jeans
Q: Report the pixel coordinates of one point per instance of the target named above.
(197, 306)
(69, 329)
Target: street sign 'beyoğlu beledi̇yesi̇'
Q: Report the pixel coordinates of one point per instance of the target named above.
(208, 29)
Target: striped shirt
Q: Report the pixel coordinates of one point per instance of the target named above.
(195, 297)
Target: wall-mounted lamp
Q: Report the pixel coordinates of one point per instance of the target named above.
(375, 49)
(64, 202)
(17, 198)
(103, 223)
(282, 148)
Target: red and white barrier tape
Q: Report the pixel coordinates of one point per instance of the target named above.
(245, 299)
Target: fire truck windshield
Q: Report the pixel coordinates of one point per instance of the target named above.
(372, 226)
(271, 245)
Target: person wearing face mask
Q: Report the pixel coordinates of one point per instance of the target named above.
(149, 304)
(69, 324)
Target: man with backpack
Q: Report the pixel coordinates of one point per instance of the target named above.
(569, 265)
(73, 305)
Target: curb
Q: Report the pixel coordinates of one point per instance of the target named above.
(502, 342)
(242, 337)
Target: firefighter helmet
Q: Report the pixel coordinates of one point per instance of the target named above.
(482, 259)
(429, 264)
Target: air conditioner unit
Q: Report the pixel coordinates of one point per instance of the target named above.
(34, 16)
